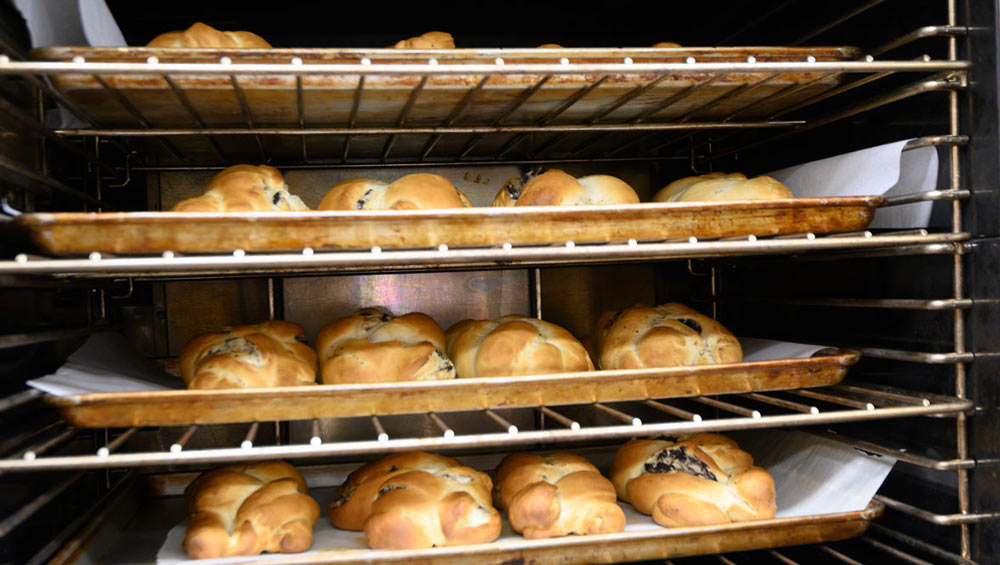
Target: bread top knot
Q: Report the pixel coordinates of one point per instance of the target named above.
(203, 35)
(514, 345)
(722, 186)
(268, 354)
(669, 335)
(519, 470)
(556, 188)
(372, 346)
(244, 188)
(421, 191)
(429, 40)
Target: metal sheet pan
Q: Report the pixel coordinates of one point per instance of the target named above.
(182, 407)
(187, 232)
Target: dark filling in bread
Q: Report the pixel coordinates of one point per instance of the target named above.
(613, 319)
(301, 339)
(677, 460)
(360, 204)
(276, 199)
(392, 469)
(387, 488)
(464, 479)
(233, 345)
(513, 188)
(346, 493)
(691, 324)
(446, 365)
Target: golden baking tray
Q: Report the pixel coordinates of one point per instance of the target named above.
(75, 233)
(279, 100)
(183, 407)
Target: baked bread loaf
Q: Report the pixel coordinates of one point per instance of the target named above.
(203, 35)
(417, 500)
(249, 508)
(722, 186)
(694, 481)
(370, 346)
(429, 40)
(421, 191)
(244, 188)
(666, 44)
(670, 335)
(556, 188)
(268, 354)
(556, 495)
(514, 345)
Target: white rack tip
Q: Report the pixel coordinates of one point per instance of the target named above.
(692, 239)
(868, 234)
(152, 60)
(636, 422)
(449, 433)
(574, 426)
(690, 60)
(571, 244)
(443, 247)
(366, 61)
(20, 258)
(247, 444)
(94, 256)
(751, 238)
(512, 429)
(167, 254)
(925, 402)
(813, 410)
(810, 59)
(307, 250)
(498, 61)
(627, 60)
(315, 440)
(79, 59)
(810, 235)
(564, 61)
(696, 418)
(226, 61)
(4, 59)
(751, 59)
(869, 406)
(29, 455)
(383, 436)
(432, 61)
(632, 242)
(239, 253)
(376, 249)
(869, 58)
(507, 246)
(296, 60)
(755, 414)
(176, 448)
(103, 452)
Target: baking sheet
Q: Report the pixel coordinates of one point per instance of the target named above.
(809, 472)
(91, 399)
(188, 232)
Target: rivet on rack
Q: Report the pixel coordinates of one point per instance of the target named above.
(152, 60)
(443, 248)
(239, 253)
(498, 61)
(226, 61)
(29, 456)
(366, 61)
(570, 244)
(627, 60)
(251, 433)
(692, 240)
(446, 431)
(690, 60)
(869, 59)
(79, 59)
(507, 246)
(4, 59)
(632, 242)
(315, 439)
(376, 249)
(564, 61)
(94, 256)
(21, 258)
(751, 59)
(168, 254)
(382, 436)
(296, 60)
(810, 235)
(432, 61)
(751, 238)
(810, 59)
(178, 446)
(307, 250)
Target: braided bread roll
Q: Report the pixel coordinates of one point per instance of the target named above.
(429, 40)
(268, 354)
(372, 347)
(417, 500)
(556, 495)
(244, 188)
(722, 186)
(694, 481)
(556, 188)
(421, 191)
(203, 35)
(245, 509)
(514, 345)
(669, 335)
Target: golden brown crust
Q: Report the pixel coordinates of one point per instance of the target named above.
(722, 186)
(666, 44)
(693, 481)
(246, 509)
(514, 345)
(421, 191)
(415, 500)
(556, 188)
(203, 35)
(556, 495)
(429, 40)
(370, 346)
(244, 188)
(268, 354)
(669, 335)
(549, 46)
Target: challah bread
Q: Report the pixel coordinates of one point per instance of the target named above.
(556, 495)
(666, 44)
(268, 354)
(420, 191)
(246, 509)
(722, 186)
(694, 481)
(669, 335)
(203, 35)
(556, 188)
(370, 346)
(417, 500)
(429, 40)
(244, 188)
(514, 345)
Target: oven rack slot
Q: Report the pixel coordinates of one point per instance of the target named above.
(676, 416)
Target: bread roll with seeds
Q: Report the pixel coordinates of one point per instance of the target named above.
(244, 188)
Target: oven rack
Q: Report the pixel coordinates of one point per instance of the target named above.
(826, 405)
(241, 263)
